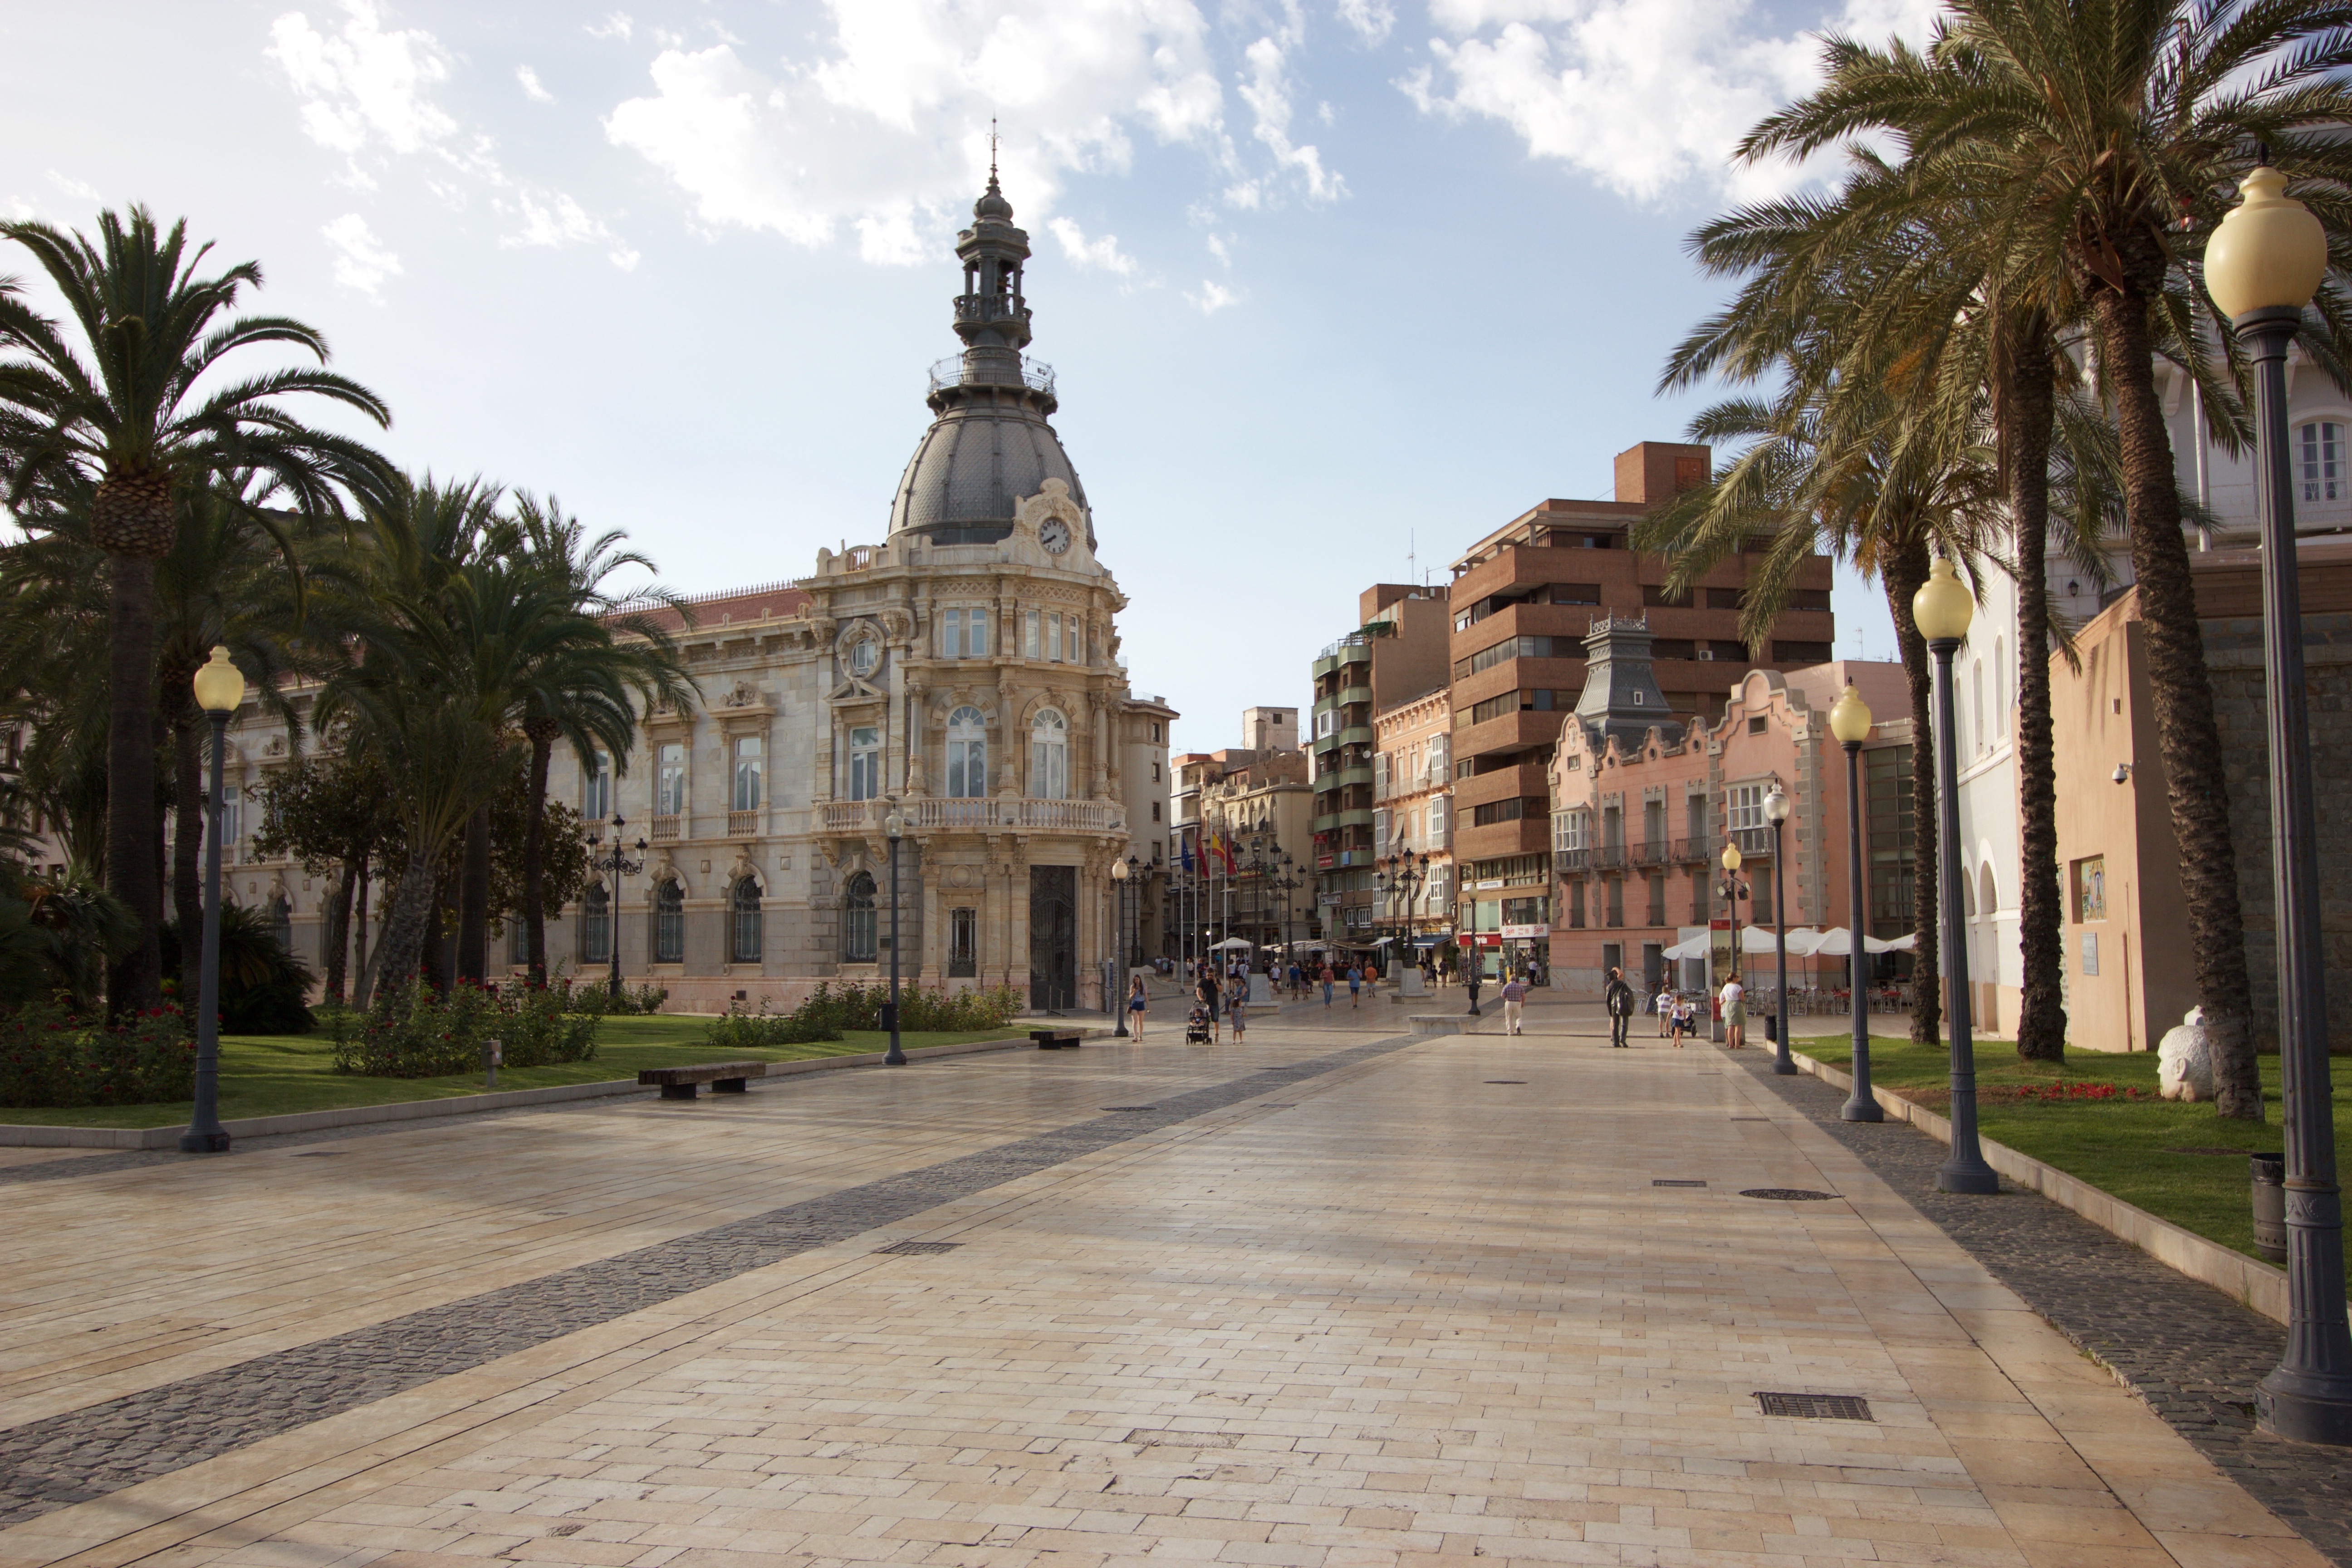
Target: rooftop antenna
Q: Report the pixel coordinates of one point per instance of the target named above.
(991, 149)
(1411, 557)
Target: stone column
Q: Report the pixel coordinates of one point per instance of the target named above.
(1102, 749)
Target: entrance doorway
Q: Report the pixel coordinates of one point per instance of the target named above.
(1053, 936)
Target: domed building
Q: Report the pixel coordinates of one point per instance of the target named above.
(962, 676)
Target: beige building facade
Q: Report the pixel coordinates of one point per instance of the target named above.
(1412, 814)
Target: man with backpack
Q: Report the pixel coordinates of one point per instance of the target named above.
(1617, 999)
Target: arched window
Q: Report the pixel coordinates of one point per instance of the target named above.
(2321, 460)
(1049, 756)
(967, 754)
(743, 927)
(669, 923)
(1976, 699)
(1988, 963)
(857, 921)
(281, 922)
(595, 926)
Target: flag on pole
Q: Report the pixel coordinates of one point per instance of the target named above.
(1187, 845)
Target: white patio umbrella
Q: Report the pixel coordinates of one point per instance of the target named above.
(1694, 947)
(1759, 939)
(1231, 942)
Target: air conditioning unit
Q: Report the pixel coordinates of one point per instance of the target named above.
(1707, 654)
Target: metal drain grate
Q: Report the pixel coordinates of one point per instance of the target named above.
(1785, 1194)
(915, 1248)
(1751, 1119)
(1131, 1108)
(1816, 1406)
(1670, 1183)
(1507, 1080)
(321, 1153)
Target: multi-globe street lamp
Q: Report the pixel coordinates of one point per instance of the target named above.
(1400, 883)
(1776, 812)
(618, 865)
(2264, 265)
(220, 688)
(1850, 723)
(895, 826)
(1942, 609)
(1731, 889)
(1122, 877)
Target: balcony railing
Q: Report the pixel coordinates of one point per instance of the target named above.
(932, 813)
(956, 371)
(1608, 856)
(1649, 852)
(1688, 850)
(665, 828)
(1753, 841)
(1570, 859)
(990, 307)
(743, 823)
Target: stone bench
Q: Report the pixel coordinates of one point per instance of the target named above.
(1057, 1039)
(724, 1077)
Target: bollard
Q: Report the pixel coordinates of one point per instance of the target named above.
(493, 1053)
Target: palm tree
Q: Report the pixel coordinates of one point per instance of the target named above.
(136, 407)
(584, 694)
(2098, 141)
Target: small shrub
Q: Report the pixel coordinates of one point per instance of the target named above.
(594, 998)
(763, 1030)
(53, 1058)
(420, 1035)
(859, 1006)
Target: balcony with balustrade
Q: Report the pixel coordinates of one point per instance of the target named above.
(935, 814)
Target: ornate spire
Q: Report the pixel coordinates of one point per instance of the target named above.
(992, 316)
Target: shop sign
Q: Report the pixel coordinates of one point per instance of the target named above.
(1490, 884)
(1480, 939)
(1526, 934)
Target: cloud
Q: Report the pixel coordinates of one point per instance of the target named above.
(1212, 297)
(559, 221)
(1266, 90)
(1102, 254)
(82, 189)
(616, 26)
(361, 86)
(1643, 96)
(1371, 19)
(362, 262)
(531, 87)
(879, 131)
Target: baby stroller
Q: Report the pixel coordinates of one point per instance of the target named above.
(1196, 1026)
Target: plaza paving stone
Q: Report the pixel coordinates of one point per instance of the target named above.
(1338, 1300)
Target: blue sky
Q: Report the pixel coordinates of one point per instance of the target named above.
(1327, 286)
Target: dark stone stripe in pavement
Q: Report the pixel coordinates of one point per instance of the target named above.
(2189, 1352)
(84, 1454)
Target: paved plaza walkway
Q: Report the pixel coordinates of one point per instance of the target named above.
(1335, 1297)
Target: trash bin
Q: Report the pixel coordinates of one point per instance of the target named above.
(1772, 1028)
(2269, 1171)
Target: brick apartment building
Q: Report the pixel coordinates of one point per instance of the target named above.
(1523, 599)
(1398, 652)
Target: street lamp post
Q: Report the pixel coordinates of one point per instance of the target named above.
(1850, 722)
(219, 689)
(619, 864)
(1776, 812)
(2264, 265)
(1120, 870)
(1941, 609)
(1731, 889)
(896, 827)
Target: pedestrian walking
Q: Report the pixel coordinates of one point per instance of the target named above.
(1515, 993)
(1735, 1013)
(1135, 1008)
(1237, 1004)
(1664, 1003)
(1617, 999)
(1355, 986)
(1206, 990)
(1685, 1019)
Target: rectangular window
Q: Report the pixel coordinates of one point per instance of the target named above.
(976, 635)
(1326, 722)
(1672, 647)
(1576, 905)
(670, 779)
(1575, 593)
(963, 943)
(1534, 911)
(2323, 460)
(596, 789)
(1699, 896)
(1785, 652)
(864, 763)
(1029, 634)
(1694, 818)
(1567, 831)
(1511, 810)
(951, 634)
(1746, 808)
(750, 762)
(1077, 641)
(1054, 638)
(1616, 900)
(232, 817)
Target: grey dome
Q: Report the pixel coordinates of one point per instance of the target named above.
(977, 462)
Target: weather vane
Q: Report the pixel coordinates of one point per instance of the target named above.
(991, 149)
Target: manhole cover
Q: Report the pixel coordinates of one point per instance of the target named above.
(1785, 1194)
(1507, 1080)
(915, 1248)
(1131, 1108)
(1816, 1406)
(1676, 1183)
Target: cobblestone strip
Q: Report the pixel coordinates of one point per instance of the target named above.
(84, 1454)
(2189, 1352)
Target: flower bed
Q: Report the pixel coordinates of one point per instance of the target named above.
(49, 1058)
(421, 1035)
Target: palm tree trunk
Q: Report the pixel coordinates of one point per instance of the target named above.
(401, 944)
(187, 844)
(131, 873)
(338, 943)
(2030, 412)
(534, 850)
(361, 954)
(1905, 569)
(2187, 734)
(474, 899)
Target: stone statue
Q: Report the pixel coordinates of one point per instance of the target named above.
(2185, 1060)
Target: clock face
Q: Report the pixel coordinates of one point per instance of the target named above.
(1055, 535)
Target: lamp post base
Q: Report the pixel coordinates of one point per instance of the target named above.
(213, 1142)
(1980, 1179)
(1783, 1065)
(2306, 1409)
(1860, 1110)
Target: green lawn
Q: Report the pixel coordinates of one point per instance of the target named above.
(272, 1074)
(2139, 1150)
